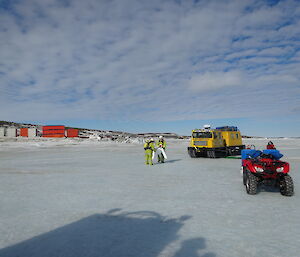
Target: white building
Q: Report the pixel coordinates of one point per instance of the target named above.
(32, 132)
(11, 132)
(2, 132)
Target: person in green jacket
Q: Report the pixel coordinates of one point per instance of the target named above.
(149, 149)
(161, 143)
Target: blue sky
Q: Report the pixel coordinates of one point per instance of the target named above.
(160, 65)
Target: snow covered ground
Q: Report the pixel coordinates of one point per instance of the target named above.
(87, 198)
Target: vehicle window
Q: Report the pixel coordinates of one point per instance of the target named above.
(202, 135)
(237, 135)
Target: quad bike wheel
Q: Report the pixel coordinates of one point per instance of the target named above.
(244, 176)
(286, 185)
(251, 183)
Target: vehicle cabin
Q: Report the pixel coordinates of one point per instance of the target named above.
(221, 142)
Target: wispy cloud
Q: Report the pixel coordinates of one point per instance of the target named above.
(148, 60)
(215, 80)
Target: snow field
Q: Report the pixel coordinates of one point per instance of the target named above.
(99, 199)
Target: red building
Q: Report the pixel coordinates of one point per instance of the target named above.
(23, 132)
(53, 131)
(72, 132)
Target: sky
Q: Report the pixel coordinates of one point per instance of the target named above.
(152, 66)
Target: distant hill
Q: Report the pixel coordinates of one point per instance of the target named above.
(94, 133)
(17, 125)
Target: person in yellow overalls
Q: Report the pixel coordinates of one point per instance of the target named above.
(149, 149)
(161, 143)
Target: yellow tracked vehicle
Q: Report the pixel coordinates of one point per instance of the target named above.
(219, 142)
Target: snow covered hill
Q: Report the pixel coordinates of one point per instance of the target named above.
(94, 134)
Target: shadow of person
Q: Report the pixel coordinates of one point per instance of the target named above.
(112, 234)
(191, 247)
(171, 161)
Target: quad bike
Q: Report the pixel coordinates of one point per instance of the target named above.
(265, 168)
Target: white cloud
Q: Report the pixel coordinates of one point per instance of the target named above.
(241, 54)
(215, 80)
(101, 59)
(275, 51)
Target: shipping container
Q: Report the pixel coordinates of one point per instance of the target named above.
(11, 132)
(54, 131)
(60, 131)
(72, 132)
(54, 135)
(53, 127)
(23, 132)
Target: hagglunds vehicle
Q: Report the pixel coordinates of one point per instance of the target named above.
(213, 143)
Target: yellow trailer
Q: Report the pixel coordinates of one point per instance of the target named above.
(212, 143)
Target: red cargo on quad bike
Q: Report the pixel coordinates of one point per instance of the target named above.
(265, 167)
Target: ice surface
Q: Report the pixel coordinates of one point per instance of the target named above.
(89, 198)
